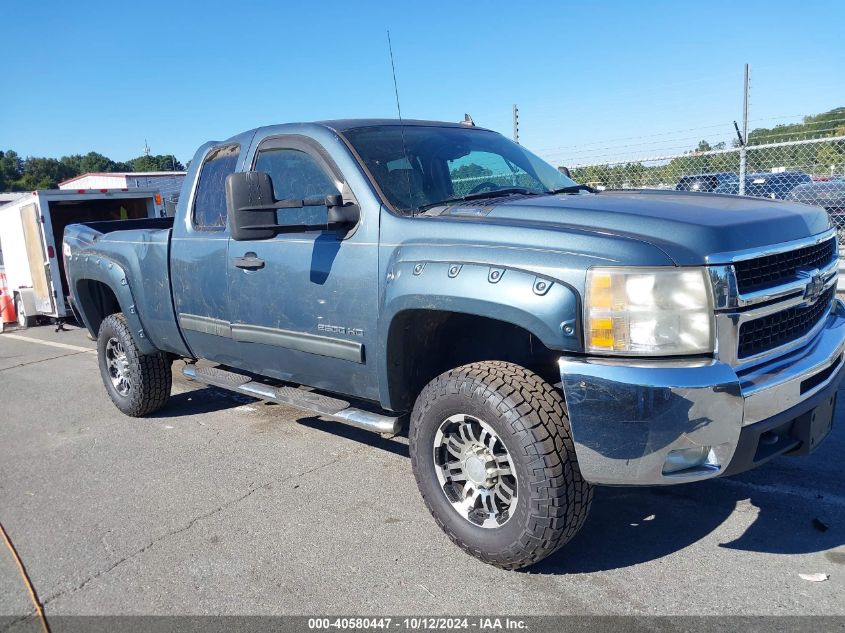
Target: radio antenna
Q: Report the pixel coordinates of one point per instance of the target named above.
(401, 123)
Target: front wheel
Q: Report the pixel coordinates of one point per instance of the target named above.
(494, 460)
(138, 384)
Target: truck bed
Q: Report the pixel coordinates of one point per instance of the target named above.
(109, 226)
(136, 251)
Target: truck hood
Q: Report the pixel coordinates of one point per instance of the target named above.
(688, 227)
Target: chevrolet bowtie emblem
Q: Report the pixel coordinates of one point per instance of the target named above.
(815, 286)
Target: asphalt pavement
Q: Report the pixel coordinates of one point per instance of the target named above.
(221, 504)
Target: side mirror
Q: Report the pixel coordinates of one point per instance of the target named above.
(342, 213)
(565, 171)
(254, 214)
(250, 205)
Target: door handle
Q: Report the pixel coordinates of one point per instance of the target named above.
(249, 262)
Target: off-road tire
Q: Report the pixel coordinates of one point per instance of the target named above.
(529, 416)
(150, 376)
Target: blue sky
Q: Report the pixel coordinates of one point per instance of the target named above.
(103, 76)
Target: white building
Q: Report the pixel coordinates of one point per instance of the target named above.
(168, 183)
(8, 197)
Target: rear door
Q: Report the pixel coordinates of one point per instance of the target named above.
(39, 264)
(199, 261)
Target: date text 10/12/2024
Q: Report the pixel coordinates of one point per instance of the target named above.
(417, 623)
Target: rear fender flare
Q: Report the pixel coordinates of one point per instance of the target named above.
(110, 273)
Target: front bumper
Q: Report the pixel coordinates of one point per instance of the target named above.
(628, 416)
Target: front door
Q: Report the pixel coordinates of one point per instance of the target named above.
(304, 303)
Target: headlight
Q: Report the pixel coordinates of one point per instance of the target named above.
(648, 311)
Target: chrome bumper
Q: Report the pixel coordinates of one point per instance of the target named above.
(627, 416)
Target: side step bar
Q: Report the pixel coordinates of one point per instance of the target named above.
(301, 398)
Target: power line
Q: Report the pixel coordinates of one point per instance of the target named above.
(726, 125)
(614, 150)
(644, 136)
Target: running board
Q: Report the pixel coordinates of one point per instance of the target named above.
(304, 399)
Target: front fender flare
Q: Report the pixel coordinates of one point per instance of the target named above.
(545, 307)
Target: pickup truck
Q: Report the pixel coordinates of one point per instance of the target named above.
(539, 338)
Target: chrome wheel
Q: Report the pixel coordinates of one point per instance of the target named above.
(118, 366)
(475, 471)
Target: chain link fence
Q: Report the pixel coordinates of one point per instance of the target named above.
(810, 171)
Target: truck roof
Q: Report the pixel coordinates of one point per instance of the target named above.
(343, 125)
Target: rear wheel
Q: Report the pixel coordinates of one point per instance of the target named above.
(23, 319)
(494, 460)
(138, 384)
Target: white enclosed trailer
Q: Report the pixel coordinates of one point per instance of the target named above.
(31, 229)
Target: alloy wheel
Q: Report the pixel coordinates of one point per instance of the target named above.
(118, 366)
(475, 471)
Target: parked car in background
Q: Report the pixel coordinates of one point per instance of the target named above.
(766, 185)
(829, 194)
(704, 182)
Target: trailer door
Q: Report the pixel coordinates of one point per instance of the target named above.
(39, 265)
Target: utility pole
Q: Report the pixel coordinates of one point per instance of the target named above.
(743, 154)
(515, 124)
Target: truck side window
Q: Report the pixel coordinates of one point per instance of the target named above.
(210, 199)
(297, 175)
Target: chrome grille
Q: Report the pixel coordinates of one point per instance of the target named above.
(771, 270)
(772, 331)
(757, 325)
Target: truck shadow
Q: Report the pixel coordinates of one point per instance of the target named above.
(398, 445)
(202, 400)
(628, 526)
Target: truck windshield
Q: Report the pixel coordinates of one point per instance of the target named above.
(435, 164)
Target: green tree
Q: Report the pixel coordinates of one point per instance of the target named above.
(91, 162)
(470, 171)
(11, 169)
(158, 162)
(17, 174)
(822, 125)
(43, 173)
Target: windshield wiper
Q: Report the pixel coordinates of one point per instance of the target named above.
(572, 189)
(500, 192)
(479, 195)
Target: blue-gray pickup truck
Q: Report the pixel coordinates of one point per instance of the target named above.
(538, 337)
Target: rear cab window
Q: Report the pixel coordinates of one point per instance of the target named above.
(209, 210)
